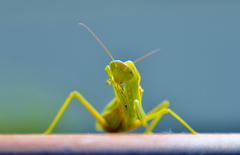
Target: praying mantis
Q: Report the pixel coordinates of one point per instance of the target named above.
(124, 112)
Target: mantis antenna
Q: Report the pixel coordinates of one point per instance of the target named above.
(97, 39)
(107, 49)
(146, 55)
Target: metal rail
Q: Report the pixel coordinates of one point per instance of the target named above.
(120, 143)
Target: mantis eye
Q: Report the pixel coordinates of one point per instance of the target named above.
(130, 72)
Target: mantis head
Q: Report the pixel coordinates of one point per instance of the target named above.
(121, 72)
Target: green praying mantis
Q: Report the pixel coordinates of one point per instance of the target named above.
(124, 112)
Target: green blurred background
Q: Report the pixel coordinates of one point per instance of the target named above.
(45, 54)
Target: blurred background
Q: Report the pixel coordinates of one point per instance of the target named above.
(45, 54)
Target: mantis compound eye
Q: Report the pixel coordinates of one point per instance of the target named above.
(130, 72)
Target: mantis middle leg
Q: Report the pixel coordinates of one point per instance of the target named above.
(90, 108)
(156, 115)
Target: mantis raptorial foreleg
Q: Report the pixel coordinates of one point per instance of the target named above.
(141, 114)
(90, 108)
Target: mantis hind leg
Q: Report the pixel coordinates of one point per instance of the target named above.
(157, 113)
(142, 117)
(161, 106)
(91, 109)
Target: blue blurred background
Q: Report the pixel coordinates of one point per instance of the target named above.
(45, 54)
